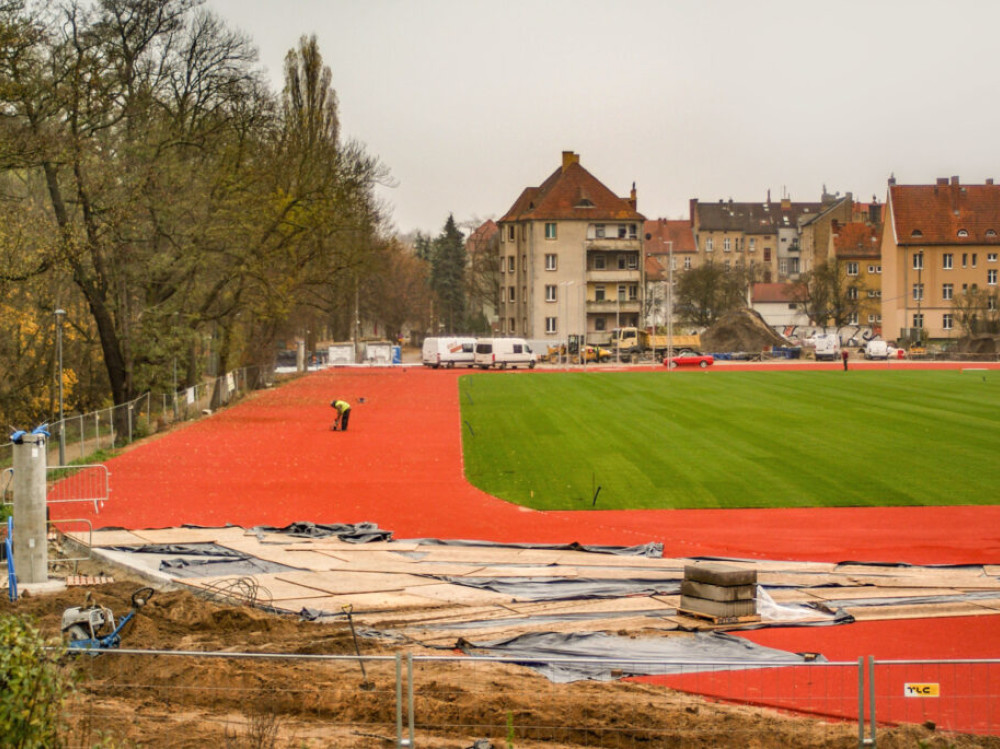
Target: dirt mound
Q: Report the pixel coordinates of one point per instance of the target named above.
(741, 330)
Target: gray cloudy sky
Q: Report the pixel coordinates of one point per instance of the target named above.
(470, 101)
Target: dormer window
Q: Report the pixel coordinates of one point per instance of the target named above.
(916, 233)
(963, 233)
(991, 232)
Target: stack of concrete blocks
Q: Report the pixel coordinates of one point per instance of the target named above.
(722, 593)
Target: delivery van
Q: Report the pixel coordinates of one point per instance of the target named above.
(448, 351)
(827, 347)
(503, 353)
(876, 349)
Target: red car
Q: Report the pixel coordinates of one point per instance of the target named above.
(690, 359)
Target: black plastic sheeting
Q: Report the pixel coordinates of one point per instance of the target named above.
(563, 588)
(563, 657)
(354, 533)
(204, 560)
(653, 549)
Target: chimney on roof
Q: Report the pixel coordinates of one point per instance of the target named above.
(989, 180)
(569, 158)
(874, 213)
(942, 181)
(954, 180)
(892, 180)
(786, 204)
(632, 201)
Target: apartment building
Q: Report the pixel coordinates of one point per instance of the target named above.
(666, 242)
(571, 255)
(939, 241)
(859, 262)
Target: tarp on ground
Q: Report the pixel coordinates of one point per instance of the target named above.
(653, 549)
(563, 588)
(565, 657)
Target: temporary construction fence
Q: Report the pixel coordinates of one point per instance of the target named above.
(73, 438)
(438, 701)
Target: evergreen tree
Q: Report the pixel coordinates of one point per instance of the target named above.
(448, 265)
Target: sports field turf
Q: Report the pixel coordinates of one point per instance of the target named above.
(556, 441)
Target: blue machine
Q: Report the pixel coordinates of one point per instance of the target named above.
(92, 627)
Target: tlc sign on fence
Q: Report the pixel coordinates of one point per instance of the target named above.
(913, 689)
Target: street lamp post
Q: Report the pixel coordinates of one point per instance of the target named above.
(670, 302)
(60, 314)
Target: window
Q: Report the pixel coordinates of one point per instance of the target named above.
(852, 293)
(871, 319)
(550, 292)
(965, 259)
(633, 231)
(918, 260)
(503, 294)
(622, 231)
(687, 263)
(600, 324)
(633, 261)
(991, 257)
(621, 292)
(963, 233)
(975, 259)
(599, 262)
(727, 264)
(793, 265)
(550, 231)
(991, 277)
(918, 320)
(510, 233)
(511, 262)
(726, 245)
(622, 262)
(852, 319)
(599, 293)
(753, 245)
(947, 261)
(524, 263)
(767, 254)
(510, 294)
(947, 291)
(871, 270)
(599, 231)
(511, 325)
(550, 261)
(991, 302)
(709, 245)
(782, 266)
(852, 269)
(633, 292)
(946, 321)
(918, 292)
(550, 325)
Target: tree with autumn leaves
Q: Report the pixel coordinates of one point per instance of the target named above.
(154, 188)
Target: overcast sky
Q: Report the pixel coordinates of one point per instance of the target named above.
(470, 101)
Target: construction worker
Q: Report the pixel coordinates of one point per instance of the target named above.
(343, 414)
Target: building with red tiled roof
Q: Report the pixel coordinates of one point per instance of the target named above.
(939, 255)
(571, 258)
(780, 304)
(666, 241)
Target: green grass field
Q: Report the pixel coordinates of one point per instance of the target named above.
(733, 439)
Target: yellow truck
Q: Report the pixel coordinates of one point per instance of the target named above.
(557, 354)
(639, 341)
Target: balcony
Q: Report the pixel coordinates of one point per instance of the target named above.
(612, 306)
(613, 275)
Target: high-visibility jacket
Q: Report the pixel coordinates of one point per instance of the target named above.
(341, 406)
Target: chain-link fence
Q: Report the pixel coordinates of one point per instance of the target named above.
(75, 437)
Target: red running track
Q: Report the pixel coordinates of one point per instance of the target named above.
(272, 460)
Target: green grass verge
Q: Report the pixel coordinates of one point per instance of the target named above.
(733, 439)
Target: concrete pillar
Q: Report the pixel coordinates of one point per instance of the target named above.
(300, 357)
(31, 550)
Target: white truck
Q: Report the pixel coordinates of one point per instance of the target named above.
(876, 349)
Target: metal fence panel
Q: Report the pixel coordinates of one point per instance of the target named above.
(953, 695)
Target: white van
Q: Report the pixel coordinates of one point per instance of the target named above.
(827, 347)
(449, 351)
(876, 350)
(503, 353)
